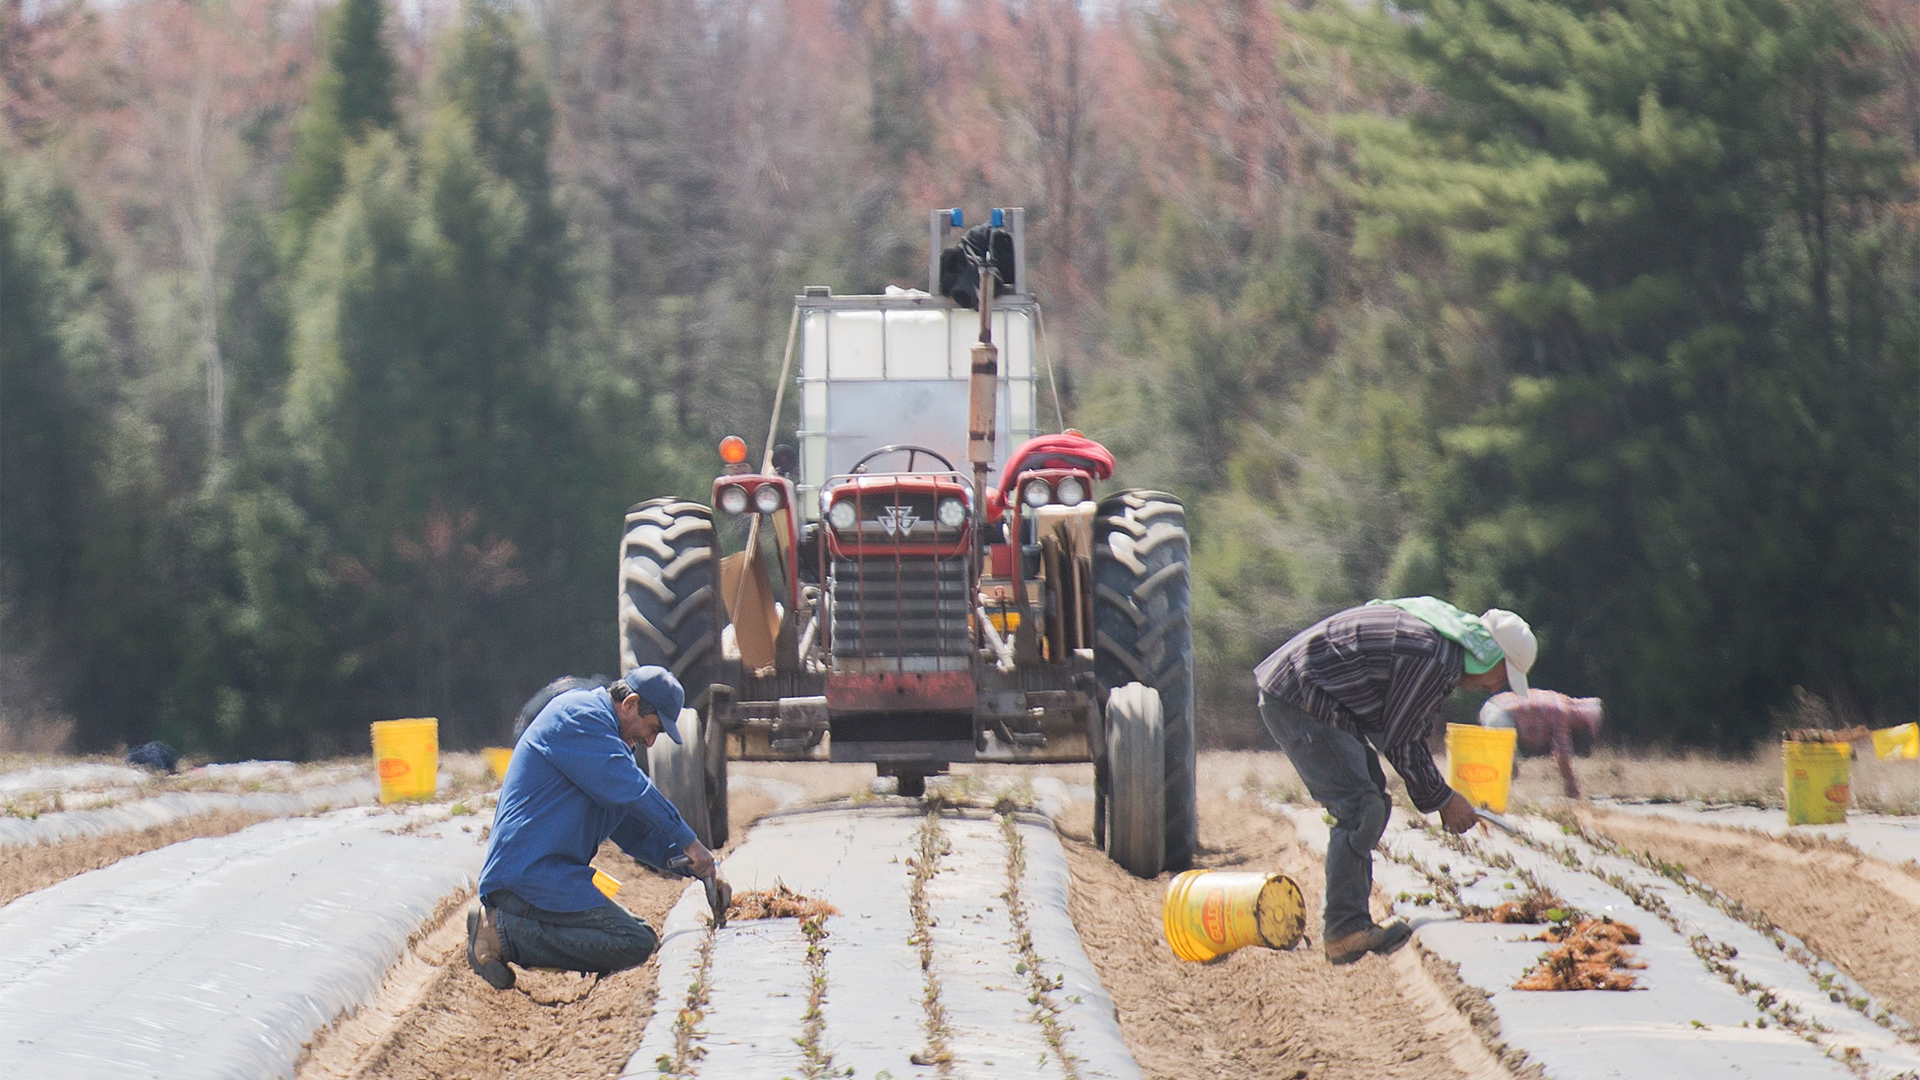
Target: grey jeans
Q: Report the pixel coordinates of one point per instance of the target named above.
(1344, 774)
(601, 940)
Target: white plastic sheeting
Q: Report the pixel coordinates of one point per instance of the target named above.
(1895, 839)
(1684, 1020)
(61, 777)
(173, 806)
(221, 956)
(858, 860)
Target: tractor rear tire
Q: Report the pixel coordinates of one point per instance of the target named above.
(670, 593)
(1143, 632)
(680, 772)
(670, 617)
(1136, 802)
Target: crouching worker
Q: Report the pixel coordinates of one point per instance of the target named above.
(574, 784)
(1543, 722)
(1372, 678)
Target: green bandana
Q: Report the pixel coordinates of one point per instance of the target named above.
(1454, 625)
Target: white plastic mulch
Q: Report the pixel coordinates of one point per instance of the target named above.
(220, 956)
(1895, 839)
(1002, 1017)
(1718, 997)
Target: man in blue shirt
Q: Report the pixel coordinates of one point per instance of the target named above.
(574, 784)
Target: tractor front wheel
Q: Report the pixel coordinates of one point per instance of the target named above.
(1143, 623)
(1136, 796)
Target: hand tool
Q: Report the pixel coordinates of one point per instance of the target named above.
(1496, 820)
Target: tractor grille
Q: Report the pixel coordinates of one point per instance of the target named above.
(899, 608)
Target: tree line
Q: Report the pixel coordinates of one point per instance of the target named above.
(332, 344)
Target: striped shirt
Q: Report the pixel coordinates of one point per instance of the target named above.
(1380, 674)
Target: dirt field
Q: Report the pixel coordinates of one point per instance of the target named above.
(1255, 1014)
(1857, 912)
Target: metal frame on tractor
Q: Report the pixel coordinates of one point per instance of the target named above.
(885, 606)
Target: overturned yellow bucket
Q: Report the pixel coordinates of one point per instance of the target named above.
(1818, 782)
(1480, 764)
(1898, 741)
(1210, 913)
(406, 753)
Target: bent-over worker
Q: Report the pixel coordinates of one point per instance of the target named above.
(1372, 678)
(574, 784)
(1545, 721)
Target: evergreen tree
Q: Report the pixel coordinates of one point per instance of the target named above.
(1636, 441)
(353, 96)
(465, 501)
(52, 425)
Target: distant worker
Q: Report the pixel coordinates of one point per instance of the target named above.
(1372, 678)
(1547, 722)
(574, 784)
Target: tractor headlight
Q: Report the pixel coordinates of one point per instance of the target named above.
(842, 516)
(1073, 491)
(766, 498)
(953, 512)
(1036, 493)
(733, 499)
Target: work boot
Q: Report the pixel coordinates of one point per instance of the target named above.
(483, 949)
(1374, 939)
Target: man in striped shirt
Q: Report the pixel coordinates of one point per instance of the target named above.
(1372, 678)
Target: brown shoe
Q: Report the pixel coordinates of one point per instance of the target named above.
(1374, 939)
(483, 949)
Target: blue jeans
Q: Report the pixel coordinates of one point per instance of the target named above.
(600, 940)
(1344, 774)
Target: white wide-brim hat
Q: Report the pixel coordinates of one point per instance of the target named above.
(1515, 639)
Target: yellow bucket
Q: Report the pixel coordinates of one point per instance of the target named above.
(606, 883)
(1899, 741)
(406, 753)
(498, 757)
(1210, 913)
(1480, 764)
(1817, 777)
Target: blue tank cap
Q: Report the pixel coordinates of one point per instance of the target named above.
(999, 217)
(956, 218)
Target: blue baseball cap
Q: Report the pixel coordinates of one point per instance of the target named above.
(658, 688)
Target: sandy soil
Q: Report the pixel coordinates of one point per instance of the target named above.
(1856, 911)
(453, 1026)
(27, 869)
(1254, 1014)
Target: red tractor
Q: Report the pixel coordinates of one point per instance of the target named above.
(862, 598)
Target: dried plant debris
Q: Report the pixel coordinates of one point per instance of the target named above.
(1535, 907)
(1591, 955)
(778, 902)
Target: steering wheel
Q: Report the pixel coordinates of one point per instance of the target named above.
(912, 451)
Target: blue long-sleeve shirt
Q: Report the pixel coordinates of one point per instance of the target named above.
(573, 784)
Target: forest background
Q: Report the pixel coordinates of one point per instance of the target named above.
(334, 338)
